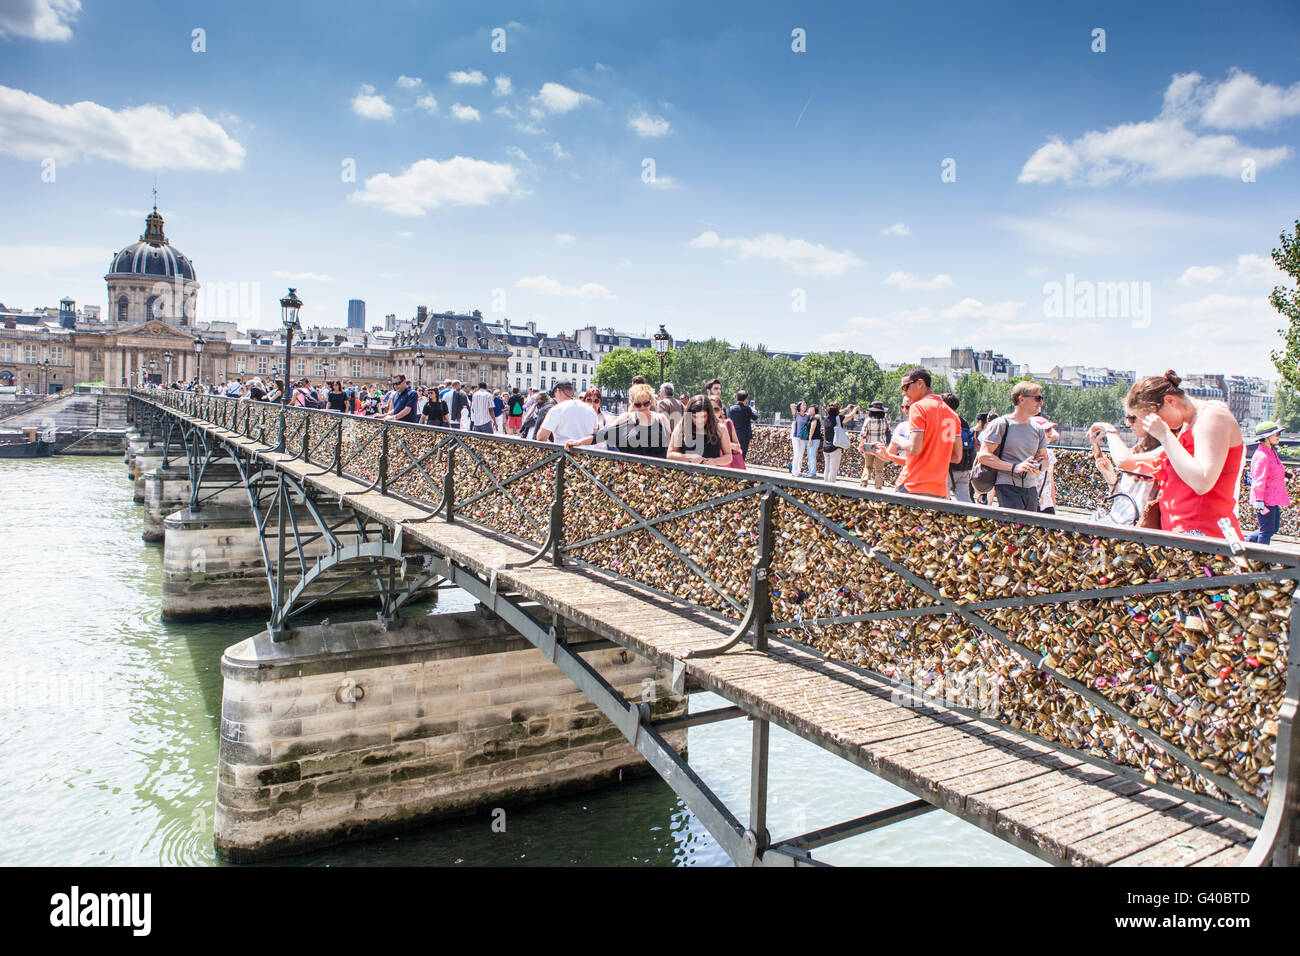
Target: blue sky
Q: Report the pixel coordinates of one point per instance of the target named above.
(797, 198)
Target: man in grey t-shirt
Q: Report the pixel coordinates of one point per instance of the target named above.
(1019, 466)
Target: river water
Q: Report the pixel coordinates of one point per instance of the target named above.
(108, 743)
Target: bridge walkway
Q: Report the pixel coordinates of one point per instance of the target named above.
(1061, 808)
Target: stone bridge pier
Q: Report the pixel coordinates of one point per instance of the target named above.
(348, 731)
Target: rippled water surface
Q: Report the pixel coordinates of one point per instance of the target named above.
(108, 746)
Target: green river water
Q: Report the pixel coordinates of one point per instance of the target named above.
(108, 746)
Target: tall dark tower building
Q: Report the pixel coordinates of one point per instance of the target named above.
(356, 314)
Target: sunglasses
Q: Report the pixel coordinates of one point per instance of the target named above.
(641, 404)
(1130, 419)
(1034, 398)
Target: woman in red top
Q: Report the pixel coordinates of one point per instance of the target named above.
(1202, 448)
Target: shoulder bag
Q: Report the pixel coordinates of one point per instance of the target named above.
(983, 478)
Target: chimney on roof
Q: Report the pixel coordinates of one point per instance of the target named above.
(11, 322)
(421, 313)
(477, 314)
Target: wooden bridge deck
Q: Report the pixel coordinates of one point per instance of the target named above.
(1061, 809)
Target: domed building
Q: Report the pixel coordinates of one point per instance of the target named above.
(151, 279)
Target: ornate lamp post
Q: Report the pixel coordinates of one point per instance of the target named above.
(198, 357)
(45, 377)
(289, 307)
(153, 367)
(663, 343)
(167, 360)
(419, 366)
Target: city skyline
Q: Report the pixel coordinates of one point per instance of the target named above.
(515, 181)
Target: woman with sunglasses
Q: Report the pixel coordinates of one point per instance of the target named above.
(639, 431)
(1199, 459)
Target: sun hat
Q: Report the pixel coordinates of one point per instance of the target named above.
(1265, 429)
(1042, 422)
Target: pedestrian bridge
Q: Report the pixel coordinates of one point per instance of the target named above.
(1092, 695)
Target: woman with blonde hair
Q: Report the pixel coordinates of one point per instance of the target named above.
(639, 431)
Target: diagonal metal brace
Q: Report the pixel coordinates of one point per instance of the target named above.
(759, 611)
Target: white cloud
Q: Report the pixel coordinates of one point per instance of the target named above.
(371, 105)
(1251, 266)
(409, 82)
(806, 258)
(564, 238)
(1242, 102)
(897, 229)
(555, 98)
(1226, 310)
(301, 276)
(651, 127)
(1036, 271)
(1166, 148)
(501, 86)
(1196, 275)
(975, 309)
(530, 128)
(465, 113)
(549, 286)
(39, 19)
(467, 78)
(146, 137)
(505, 111)
(389, 275)
(908, 282)
(431, 183)
(428, 102)
(557, 150)
(663, 182)
(518, 153)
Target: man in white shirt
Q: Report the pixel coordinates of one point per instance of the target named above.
(480, 410)
(569, 419)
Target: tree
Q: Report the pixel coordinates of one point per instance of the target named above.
(1286, 407)
(1287, 302)
(844, 377)
(617, 369)
(695, 364)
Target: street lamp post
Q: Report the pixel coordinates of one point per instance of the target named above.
(153, 367)
(419, 366)
(289, 307)
(198, 357)
(167, 360)
(663, 343)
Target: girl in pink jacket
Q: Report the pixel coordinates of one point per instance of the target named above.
(1267, 483)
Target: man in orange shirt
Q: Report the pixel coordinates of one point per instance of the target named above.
(929, 446)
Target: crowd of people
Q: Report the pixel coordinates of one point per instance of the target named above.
(1181, 474)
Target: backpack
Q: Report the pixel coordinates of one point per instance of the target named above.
(311, 401)
(968, 450)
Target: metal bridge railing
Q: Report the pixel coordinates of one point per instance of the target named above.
(1164, 657)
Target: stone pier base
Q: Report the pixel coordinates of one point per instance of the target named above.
(454, 713)
(167, 490)
(145, 461)
(212, 562)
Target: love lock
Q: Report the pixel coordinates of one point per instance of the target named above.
(349, 692)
